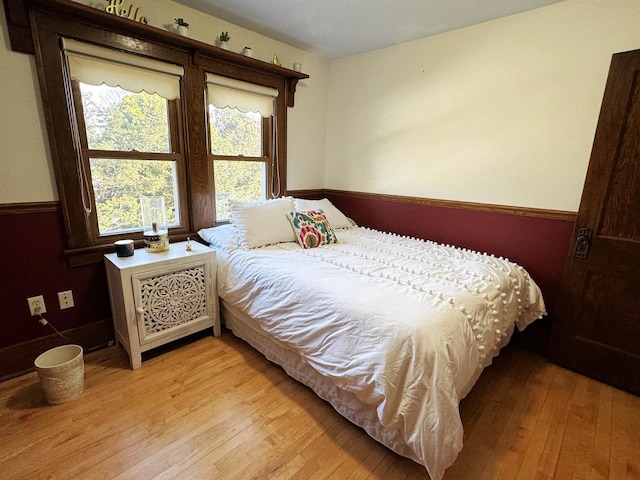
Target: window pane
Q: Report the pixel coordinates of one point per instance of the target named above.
(118, 185)
(123, 121)
(234, 133)
(244, 181)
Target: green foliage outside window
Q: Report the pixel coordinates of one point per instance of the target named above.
(118, 185)
(124, 121)
(117, 120)
(244, 181)
(236, 135)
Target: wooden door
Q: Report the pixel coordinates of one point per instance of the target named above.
(598, 329)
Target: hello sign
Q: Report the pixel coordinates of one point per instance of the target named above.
(115, 7)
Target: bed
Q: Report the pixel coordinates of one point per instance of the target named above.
(392, 331)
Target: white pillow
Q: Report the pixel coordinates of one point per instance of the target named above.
(223, 236)
(262, 223)
(336, 218)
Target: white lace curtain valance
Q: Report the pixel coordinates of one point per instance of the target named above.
(98, 65)
(223, 92)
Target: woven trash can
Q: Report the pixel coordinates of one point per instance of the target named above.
(61, 372)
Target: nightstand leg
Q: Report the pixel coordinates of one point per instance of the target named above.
(136, 361)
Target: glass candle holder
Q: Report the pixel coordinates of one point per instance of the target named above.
(154, 221)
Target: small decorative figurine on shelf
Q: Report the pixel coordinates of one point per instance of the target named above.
(276, 60)
(183, 27)
(247, 52)
(223, 40)
(187, 247)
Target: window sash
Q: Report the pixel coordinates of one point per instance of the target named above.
(267, 143)
(134, 213)
(220, 210)
(179, 190)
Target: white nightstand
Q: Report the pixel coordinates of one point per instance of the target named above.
(159, 297)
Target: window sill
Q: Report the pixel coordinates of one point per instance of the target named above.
(94, 254)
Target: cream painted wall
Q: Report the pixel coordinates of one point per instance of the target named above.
(26, 172)
(502, 112)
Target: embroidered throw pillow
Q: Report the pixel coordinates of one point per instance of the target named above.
(312, 228)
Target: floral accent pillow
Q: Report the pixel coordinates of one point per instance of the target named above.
(312, 228)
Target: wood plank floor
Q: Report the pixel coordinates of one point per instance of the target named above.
(215, 408)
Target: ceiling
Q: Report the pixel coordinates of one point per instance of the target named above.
(339, 28)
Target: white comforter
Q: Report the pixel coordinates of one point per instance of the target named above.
(403, 324)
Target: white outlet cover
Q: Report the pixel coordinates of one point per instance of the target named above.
(36, 305)
(65, 299)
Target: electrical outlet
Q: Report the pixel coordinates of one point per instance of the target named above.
(36, 305)
(66, 299)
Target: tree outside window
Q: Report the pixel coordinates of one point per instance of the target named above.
(240, 166)
(129, 155)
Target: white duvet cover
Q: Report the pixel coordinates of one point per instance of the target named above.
(404, 325)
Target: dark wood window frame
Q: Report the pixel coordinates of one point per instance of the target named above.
(175, 155)
(36, 26)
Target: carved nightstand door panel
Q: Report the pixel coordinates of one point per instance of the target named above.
(171, 301)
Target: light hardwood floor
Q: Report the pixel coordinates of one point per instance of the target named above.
(216, 409)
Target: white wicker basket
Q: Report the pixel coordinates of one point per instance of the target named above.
(61, 372)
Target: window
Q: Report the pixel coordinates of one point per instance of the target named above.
(96, 71)
(135, 125)
(239, 166)
(129, 143)
(240, 141)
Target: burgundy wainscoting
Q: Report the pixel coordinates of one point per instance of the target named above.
(34, 263)
(540, 243)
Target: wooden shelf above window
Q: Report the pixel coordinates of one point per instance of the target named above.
(19, 27)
